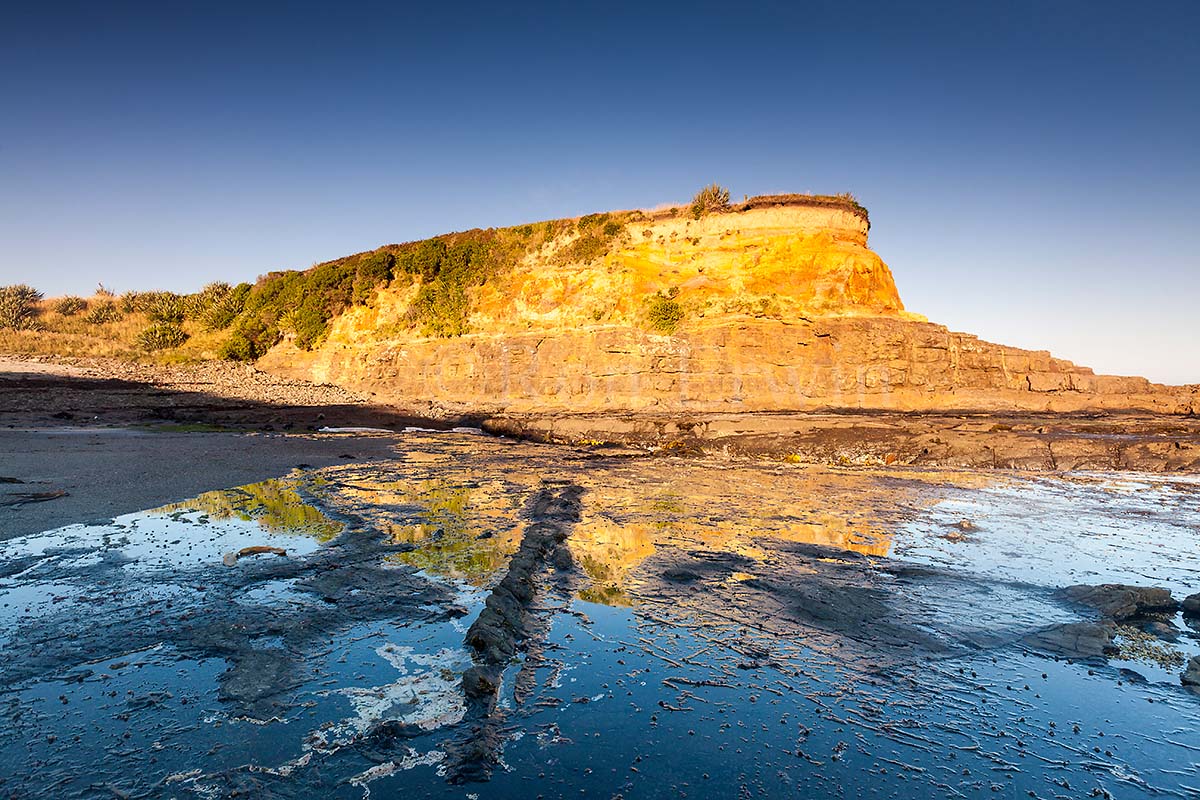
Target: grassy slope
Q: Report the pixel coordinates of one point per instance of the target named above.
(243, 322)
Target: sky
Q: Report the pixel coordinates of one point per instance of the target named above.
(1031, 168)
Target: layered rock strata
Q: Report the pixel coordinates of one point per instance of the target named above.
(780, 307)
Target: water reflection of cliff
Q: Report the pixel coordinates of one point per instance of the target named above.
(631, 514)
(463, 528)
(276, 505)
(459, 503)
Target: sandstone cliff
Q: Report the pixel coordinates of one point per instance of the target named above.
(778, 305)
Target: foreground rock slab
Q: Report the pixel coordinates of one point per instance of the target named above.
(1122, 602)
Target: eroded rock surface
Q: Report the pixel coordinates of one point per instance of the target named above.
(1122, 602)
(1085, 640)
(1191, 676)
(779, 308)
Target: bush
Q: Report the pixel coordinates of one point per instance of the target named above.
(18, 306)
(448, 268)
(597, 234)
(104, 311)
(251, 338)
(162, 307)
(664, 312)
(161, 336)
(194, 305)
(70, 306)
(709, 199)
(372, 271)
(585, 249)
(221, 312)
(131, 301)
(302, 303)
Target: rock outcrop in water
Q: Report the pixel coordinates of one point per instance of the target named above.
(776, 305)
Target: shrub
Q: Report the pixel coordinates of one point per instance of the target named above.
(18, 306)
(585, 249)
(449, 267)
(70, 305)
(709, 199)
(664, 312)
(221, 312)
(131, 301)
(161, 336)
(194, 305)
(104, 311)
(372, 271)
(251, 338)
(597, 233)
(162, 307)
(302, 303)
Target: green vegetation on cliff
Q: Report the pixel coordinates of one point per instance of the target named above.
(445, 269)
(302, 303)
(443, 273)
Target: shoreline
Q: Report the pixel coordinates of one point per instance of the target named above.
(43, 393)
(107, 472)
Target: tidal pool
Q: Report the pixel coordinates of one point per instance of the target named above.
(680, 627)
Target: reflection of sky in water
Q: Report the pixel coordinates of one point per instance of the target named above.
(630, 698)
(1132, 529)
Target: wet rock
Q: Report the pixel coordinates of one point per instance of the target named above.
(1120, 601)
(1191, 675)
(386, 734)
(507, 623)
(1076, 639)
(680, 575)
(1191, 605)
(153, 699)
(480, 682)
(475, 756)
(504, 620)
(253, 681)
(1160, 630)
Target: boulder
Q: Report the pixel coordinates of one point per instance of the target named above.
(1191, 605)
(1120, 602)
(1191, 676)
(1076, 639)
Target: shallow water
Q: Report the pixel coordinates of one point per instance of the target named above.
(721, 629)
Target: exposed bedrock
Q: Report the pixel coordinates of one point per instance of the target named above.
(509, 624)
(777, 305)
(1121, 602)
(883, 363)
(979, 441)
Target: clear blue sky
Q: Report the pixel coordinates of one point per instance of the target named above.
(1031, 168)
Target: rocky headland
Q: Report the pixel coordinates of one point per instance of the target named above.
(765, 328)
(770, 328)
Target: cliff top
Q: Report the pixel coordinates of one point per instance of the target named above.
(774, 255)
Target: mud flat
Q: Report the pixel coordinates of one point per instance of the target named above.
(88, 439)
(53, 476)
(493, 618)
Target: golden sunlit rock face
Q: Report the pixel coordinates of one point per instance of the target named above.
(780, 308)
